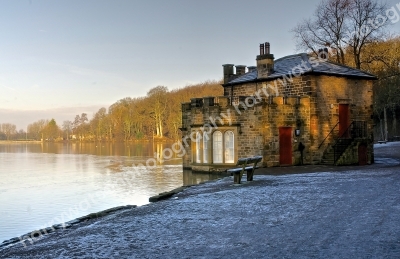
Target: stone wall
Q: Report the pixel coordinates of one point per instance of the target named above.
(329, 92)
(309, 103)
(287, 86)
(256, 127)
(294, 113)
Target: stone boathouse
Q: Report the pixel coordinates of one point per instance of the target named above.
(293, 110)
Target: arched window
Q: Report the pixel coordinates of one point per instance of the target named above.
(217, 147)
(229, 147)
(198, 147)
(205, 147)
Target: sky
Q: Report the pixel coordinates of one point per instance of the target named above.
(66, 57)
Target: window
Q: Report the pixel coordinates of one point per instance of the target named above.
(217, 147)
(222, 144)
(229, 147)
(205, 147)
(198, 148)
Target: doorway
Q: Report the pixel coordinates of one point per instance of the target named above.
(285, 146)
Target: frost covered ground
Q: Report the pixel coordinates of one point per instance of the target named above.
(346, 214)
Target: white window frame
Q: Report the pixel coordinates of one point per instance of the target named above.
(198, 147)
(206, 138)
(218, 156)
(229, 147)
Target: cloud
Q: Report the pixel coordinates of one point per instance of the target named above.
(8, 88)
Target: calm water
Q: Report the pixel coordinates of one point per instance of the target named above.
(42, 184)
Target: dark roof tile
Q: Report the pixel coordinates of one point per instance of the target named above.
(303, 64)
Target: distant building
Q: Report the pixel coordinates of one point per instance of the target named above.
(273, 107)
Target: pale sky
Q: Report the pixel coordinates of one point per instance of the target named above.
(62, 58)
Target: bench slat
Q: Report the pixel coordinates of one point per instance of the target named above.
(248, 165)
(238, 170)
(235, 170)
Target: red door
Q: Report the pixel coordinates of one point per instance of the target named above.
(285, 146)
(344, 120)
(362, 154)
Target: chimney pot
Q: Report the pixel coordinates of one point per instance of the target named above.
(228, 72)
(262, 50)
(267, 48)
(251, 68)
(323, 53)
(240, 70)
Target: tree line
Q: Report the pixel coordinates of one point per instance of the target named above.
(354, 32)
(156, 115)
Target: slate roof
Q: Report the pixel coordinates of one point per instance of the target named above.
(291, 65)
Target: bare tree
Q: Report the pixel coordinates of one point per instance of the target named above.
(343, 25)
(35, 129)
(328, 28)
(8, 129)
(67, 127)
(366, 25)
(158, 104)
(98, 123)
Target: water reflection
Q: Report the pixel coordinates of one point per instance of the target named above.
(190, 178)
(40, 183)
(98, 149)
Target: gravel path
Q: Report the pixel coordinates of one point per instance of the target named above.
(347, 214)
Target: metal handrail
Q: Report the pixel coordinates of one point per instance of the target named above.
(328, 134)
(336, 143)
(346, 131)
(355, 133)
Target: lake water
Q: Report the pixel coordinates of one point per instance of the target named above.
(42, 184)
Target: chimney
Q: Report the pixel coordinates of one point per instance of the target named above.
(265, 61)
(228, 72)
(240, 70)
(323, 53)
(251, 68)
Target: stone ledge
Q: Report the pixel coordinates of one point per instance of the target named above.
(166, 195)
(44, 231)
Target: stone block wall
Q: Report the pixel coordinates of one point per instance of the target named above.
(287, 86)
(330, 91)
(294, 113)
(256, 128)
(309, 103)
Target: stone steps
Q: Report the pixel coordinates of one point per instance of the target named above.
(328, 158)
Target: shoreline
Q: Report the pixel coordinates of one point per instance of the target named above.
(271, 171)
(386, 152)
(152, 199)
(62, 226)
(95, 215)
(225, 220)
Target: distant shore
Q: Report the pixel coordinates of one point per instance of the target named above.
(158, 140)
(19, 141)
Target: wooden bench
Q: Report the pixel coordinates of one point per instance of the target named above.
(247, 165)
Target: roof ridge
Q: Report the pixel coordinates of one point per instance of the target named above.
(341, 65)
(290, 56)
(284, 66)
